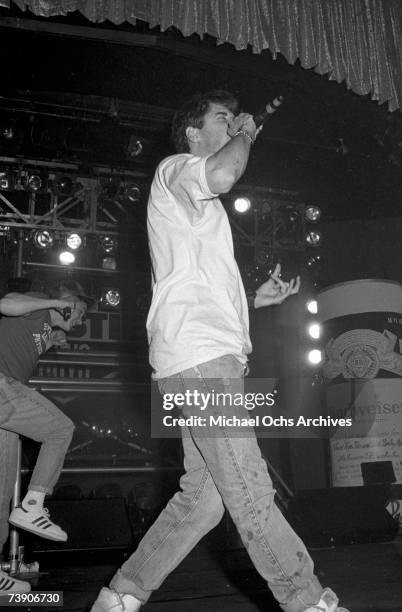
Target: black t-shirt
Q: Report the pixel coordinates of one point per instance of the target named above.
(22, 341)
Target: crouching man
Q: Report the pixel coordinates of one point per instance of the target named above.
(29, 326)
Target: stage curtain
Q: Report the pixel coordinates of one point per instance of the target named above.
(353, 41)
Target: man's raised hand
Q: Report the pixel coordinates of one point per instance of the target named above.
(275, 290)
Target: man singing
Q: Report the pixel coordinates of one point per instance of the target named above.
(30, 325)
(198, 332)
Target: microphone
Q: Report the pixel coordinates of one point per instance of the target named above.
(261, 117)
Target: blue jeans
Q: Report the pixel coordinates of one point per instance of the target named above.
(8, 473)
(222, 470)
(26, 412)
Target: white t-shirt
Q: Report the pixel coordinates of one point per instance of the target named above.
(199, 307)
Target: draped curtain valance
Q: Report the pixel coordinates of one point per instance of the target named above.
(355, 41)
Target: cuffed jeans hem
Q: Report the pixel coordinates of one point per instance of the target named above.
(40, 488)
(300, 603)
(122, 584)
(304, 599)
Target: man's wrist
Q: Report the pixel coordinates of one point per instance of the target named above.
(245, 134)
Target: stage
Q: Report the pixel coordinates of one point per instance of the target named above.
(367, 577)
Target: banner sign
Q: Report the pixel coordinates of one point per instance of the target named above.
(363, 372)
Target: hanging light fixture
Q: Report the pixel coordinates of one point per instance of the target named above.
(66, 258)
(314, 357)
(312, 306)
(34, 182)
(108, 244)
(135, 147)
(132, 192)
(74, 241)
(109, 263)
(312, 214)
(110, 299)
(7, 132)
(43, 239)
(314, 330)
(313, 238)
(63, 186)
(242, 205)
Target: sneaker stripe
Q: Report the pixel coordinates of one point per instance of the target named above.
(40, 521)
(40, 524)
(8, 584)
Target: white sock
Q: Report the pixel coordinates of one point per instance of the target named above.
(131, 603)
(33, 500)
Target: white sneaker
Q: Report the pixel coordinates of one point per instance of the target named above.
(110, 600)
(12, 585)
(327, 603)
(37, 521)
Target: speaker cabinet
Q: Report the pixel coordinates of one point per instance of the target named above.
(342, 515)
(90, 524)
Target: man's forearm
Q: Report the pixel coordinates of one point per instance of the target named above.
(226, 166)
(19, 304)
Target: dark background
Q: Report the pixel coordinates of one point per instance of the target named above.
(325, 146)
(335, 149)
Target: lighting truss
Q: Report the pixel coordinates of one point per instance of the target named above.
(276, 221)
(79, 212)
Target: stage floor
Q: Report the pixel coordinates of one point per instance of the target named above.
(367, 577)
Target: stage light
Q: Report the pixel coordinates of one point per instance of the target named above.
(291, 215)
(34, 182)
(66, 258)
(108, 244)
(312, 214)
(43, 239)
(313, 261)
(312, 306)
(314, 330)
(132, 192)
(74, 241)
(7, 133)
(135, 147)
(110, 298)
(63, 186)
(241, 205)
(314, 357)
(109, 263)
(313, 238)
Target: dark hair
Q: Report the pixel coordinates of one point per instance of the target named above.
(69, 287)
(191, 114)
